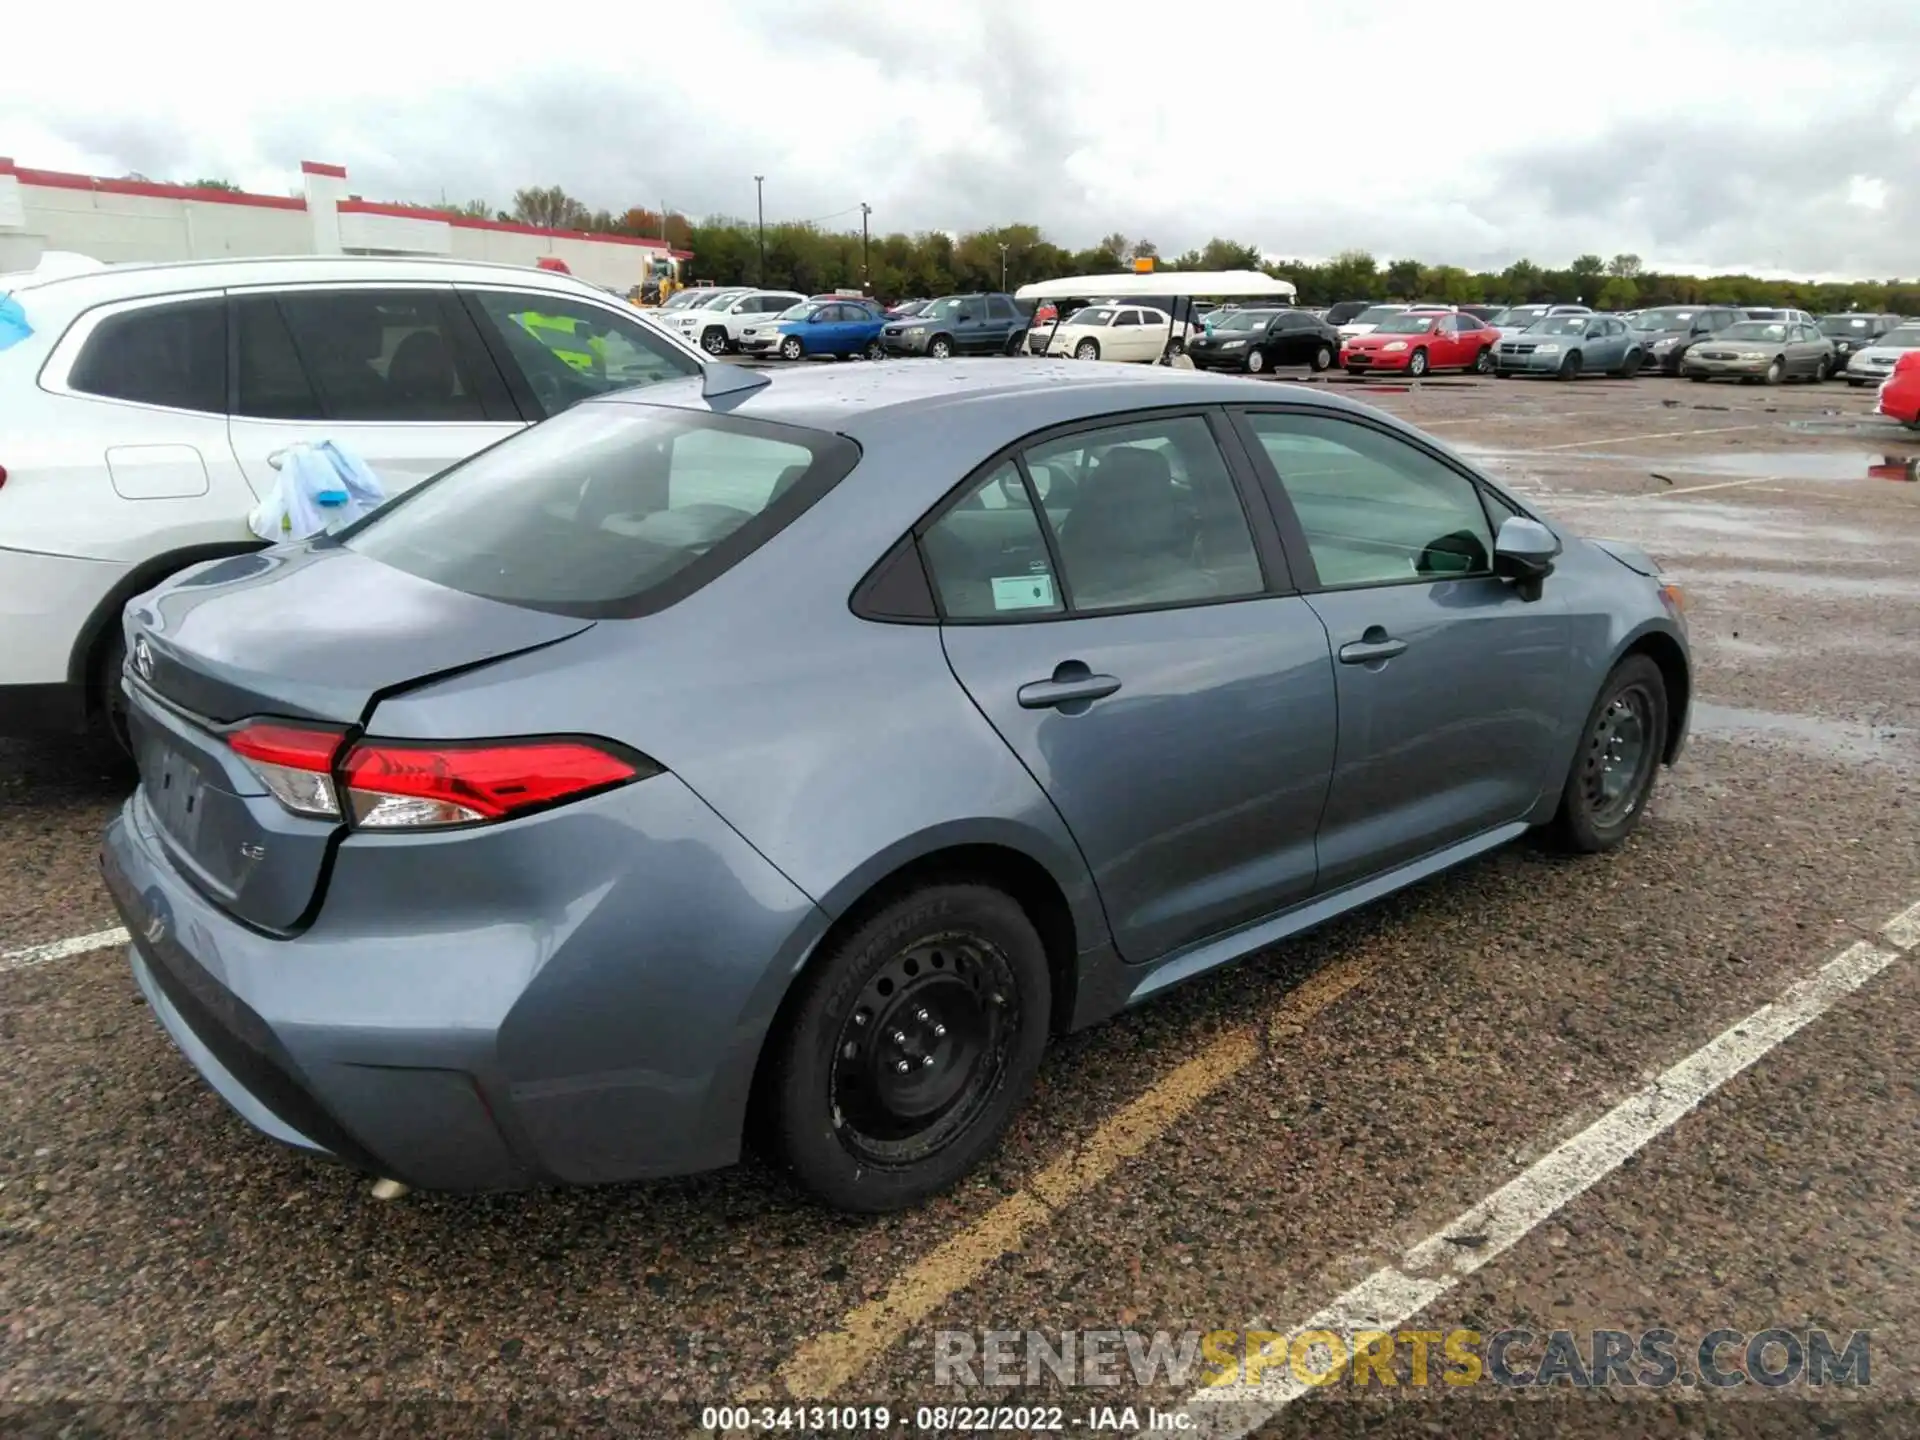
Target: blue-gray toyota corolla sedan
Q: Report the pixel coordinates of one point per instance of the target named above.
(800, 754)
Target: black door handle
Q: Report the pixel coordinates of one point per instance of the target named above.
(1071, 683)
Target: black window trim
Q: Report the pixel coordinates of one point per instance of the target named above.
(1294, 535)
(834, 457)
(1269, 550)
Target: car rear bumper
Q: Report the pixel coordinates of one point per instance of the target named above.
(544, 1016)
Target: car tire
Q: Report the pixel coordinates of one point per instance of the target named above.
(1256, 361)
(793, 348)
(875, 350)
(940, 348)
(713, 340)
(1322, 358)
(1087, 350)
(108, 737)
(1823, 372)
(1699, 379)
(1630, 367)
(1483, 362)
(1613, 771)
(1856, 384)
(850, 1112)
(1569, 367)
(1776, 372)
(1012, 346)
(1417, 364)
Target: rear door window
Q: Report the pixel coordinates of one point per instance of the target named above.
(988, 556)
(1145, 514)
(171, 354)
(1000, 308)
(389, 355)
(564, 350)
(609, 509)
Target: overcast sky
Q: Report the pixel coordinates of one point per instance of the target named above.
(1777, 136)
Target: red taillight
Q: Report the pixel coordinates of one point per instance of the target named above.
(411, 785)
(398, 785)
(294, 762)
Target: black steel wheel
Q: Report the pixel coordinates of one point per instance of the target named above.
(1619, 758)
(908, 1047)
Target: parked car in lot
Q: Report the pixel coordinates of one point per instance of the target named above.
(144, 413)
(1667, 332)
(1516, 319)
(1346, 311)
(1569, 346)
(1119, 332)
(1899, 397)
(1764, 350)
(458, 857)
(715, 325)
(1873, 364)
(977, 324)
(1483, 313)
(1418, 341)
(844, 328)
(1850, 331)
(1369, 320)
(1257, 340)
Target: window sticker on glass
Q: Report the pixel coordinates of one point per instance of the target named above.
(1023, 592)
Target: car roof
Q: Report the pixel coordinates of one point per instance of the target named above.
(875, 401)
(137, 281)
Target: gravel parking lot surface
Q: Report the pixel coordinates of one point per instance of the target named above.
(1238, 1156)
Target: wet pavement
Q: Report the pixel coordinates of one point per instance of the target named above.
(1236, 1156)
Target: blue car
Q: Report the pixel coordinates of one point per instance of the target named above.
(847, 328)
(797, 755)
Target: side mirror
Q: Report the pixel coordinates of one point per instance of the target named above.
(1524, 552)
(964, 316)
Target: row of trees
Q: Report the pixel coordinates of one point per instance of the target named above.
(808, 258)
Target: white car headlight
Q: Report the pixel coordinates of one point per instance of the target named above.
(916, 330)
(1550, 348)
(1394, 345)
(1750, 355)
(1233, 344)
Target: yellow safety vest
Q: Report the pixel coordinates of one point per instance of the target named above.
(557, 333)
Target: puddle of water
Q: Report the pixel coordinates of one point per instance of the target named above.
(1834, 739)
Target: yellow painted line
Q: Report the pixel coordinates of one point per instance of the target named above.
(829, 1360)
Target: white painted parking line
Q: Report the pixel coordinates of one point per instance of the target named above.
(1631, 439)
(60, 949)
(1396, 1293)
(1716, 485)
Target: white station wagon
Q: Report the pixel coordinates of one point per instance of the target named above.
(140, 418)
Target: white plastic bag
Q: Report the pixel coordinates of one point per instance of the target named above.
(317, 486)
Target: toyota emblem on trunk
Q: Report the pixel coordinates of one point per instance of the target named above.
(143, 658)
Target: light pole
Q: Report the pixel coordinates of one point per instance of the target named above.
(760, 204)
(865, 210)
(1003, 267)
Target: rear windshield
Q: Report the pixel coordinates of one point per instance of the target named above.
(607, 509)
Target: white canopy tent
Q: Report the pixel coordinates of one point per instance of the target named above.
(1180, 284)
(1181, 287)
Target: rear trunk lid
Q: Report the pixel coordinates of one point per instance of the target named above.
(205, 653)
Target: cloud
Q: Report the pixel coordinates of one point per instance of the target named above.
(1725, 134)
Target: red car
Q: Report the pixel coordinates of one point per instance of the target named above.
(1417, 341)
(1900, 391)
